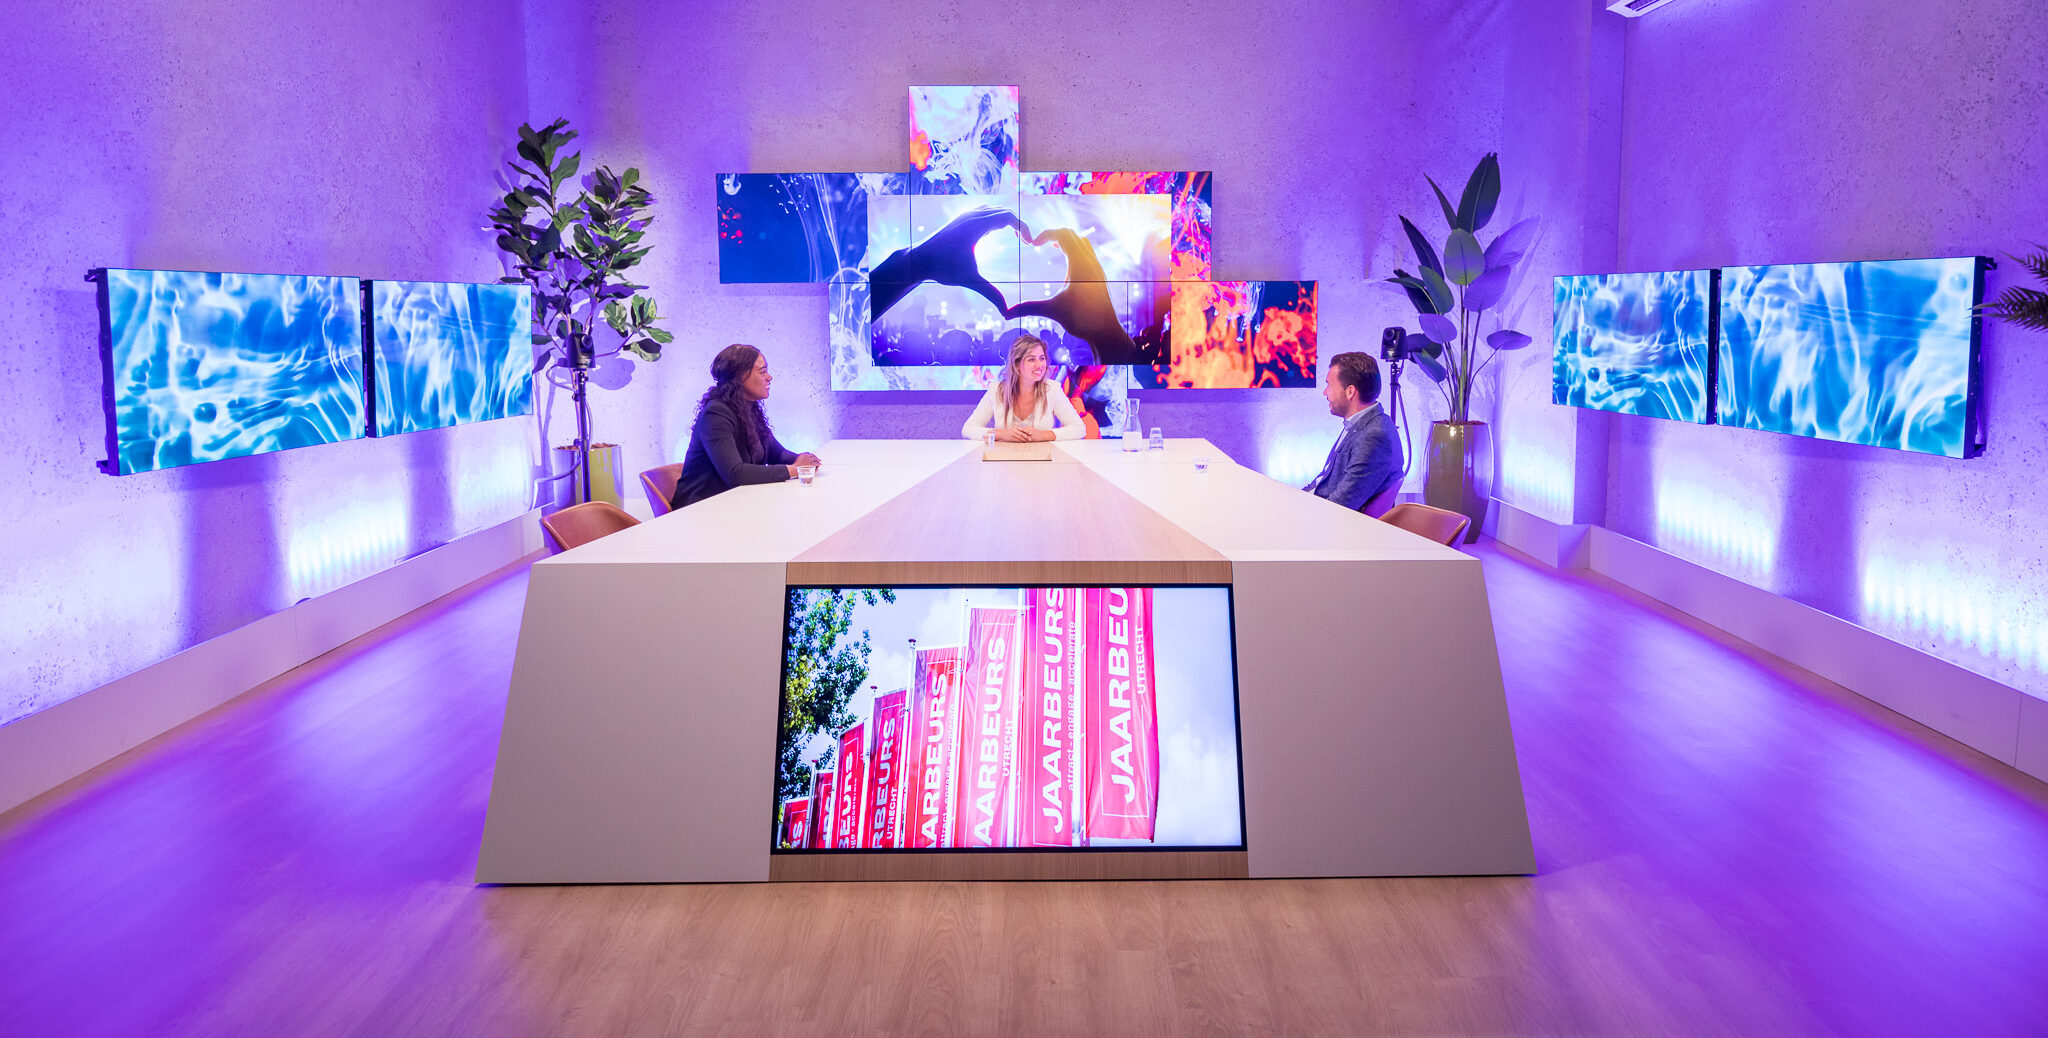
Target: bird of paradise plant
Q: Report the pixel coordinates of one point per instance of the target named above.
(1449, 348)
(2019, 304)
(1455, 292)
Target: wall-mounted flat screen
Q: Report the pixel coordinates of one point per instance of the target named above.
(1239, 335)
(1883, 353)
(1634, 343)
(989, 718)
(448, 353)
(795, 227)
(202, 367)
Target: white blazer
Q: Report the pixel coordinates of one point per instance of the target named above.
(993, 413)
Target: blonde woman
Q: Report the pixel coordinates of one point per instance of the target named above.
(1023, 407)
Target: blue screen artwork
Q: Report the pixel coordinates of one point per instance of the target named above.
(446, 354)
(1634, 343)
(204, 367)
(793, 228)
(1881, 353)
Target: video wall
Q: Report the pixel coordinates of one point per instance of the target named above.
(926, 719)
(201, 367)
(933, 273)
(1881, 353)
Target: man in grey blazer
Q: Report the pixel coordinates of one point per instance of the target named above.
(1366, 458)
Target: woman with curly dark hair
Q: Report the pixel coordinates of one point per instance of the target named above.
(731, 444)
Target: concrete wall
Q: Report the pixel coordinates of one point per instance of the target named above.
(1318, 118)
(1785, 132)
(262, 137)
(1560, 154)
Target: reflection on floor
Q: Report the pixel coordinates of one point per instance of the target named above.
(1727, 846)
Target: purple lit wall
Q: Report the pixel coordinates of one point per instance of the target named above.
(365, 141)
(1560, 147)
(1798, 131)
(289, 138)
(1318, 121)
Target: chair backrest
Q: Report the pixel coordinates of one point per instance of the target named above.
(581, 524)
(660, 484)
(1438, 524)
(1377, 505)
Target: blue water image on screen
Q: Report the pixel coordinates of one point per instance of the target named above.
(203, 367)
(446, 354)
(1634, 343)
(792, 228)
(1877, 353)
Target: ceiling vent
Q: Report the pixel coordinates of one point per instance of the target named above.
(1635, 8)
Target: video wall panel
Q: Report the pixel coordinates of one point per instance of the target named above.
(204, 367)
(1882, 353)
(1635, 343)
(446, 353)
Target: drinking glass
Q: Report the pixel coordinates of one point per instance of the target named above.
(806, 473)
(1158, 439)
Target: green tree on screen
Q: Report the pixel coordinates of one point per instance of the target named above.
(823, 667)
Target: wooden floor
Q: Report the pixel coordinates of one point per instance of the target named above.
(1727, 847)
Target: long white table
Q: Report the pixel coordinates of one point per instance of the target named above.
(640, 730)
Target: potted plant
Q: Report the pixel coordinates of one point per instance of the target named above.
(1455, 292)
(575, 252)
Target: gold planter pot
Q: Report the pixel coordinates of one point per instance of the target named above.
(1458, 471)
(604, 475)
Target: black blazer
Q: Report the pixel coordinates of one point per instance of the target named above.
(716, 462)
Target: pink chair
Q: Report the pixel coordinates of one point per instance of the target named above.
(1440, 525)
(581, 524)
(660, 484)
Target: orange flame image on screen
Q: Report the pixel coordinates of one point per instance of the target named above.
(1215, 345)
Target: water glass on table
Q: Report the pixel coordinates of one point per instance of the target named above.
(805, 474)
(1158, 439)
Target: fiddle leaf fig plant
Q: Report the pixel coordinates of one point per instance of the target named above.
(1456, 289)
(576, 250)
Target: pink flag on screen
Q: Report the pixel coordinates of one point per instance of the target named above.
(821, 809)
(988, 729)
(883, 822)
(1048, 764)
(1122, 733)
(934, 740)
(846, 813)
(796, 815)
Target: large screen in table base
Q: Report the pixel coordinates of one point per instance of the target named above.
(988, 718)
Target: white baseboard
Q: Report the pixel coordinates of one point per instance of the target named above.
(1995, 719)
(48, 748)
